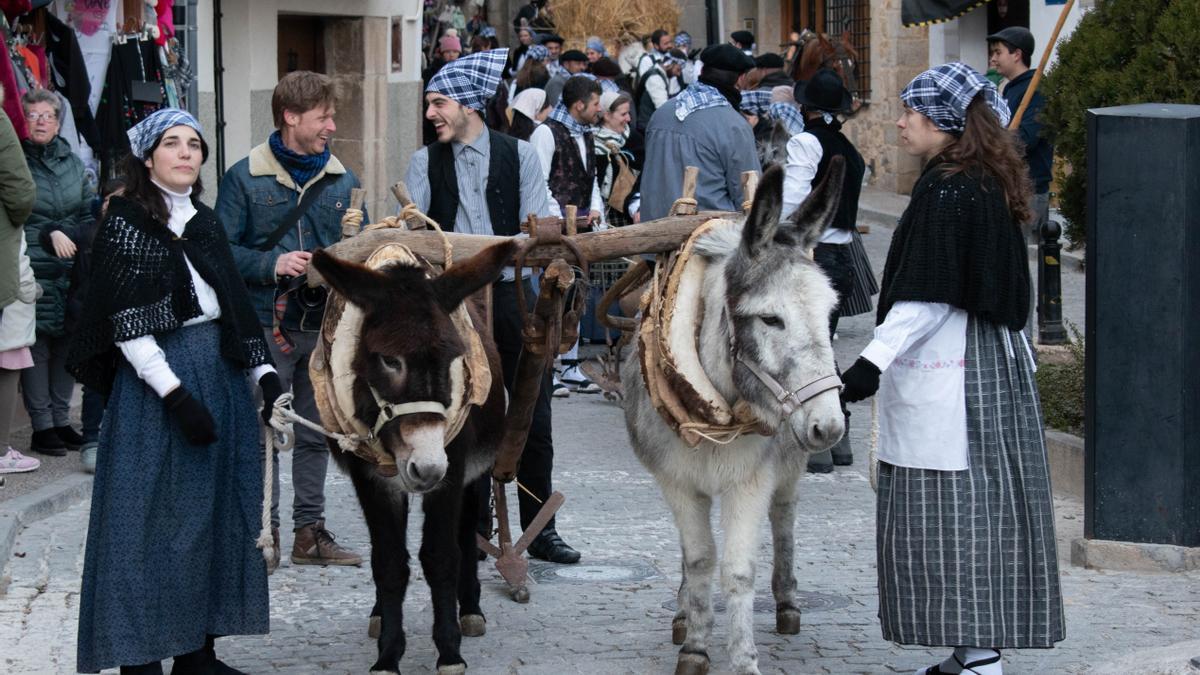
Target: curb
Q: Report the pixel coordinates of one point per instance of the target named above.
(41, 503)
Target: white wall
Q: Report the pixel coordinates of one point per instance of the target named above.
(965, 39)
(250, 51)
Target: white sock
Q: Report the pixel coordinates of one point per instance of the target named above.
(968, 655)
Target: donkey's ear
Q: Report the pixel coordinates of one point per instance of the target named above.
(357, 283)
(763, 221)
(818, 209)
(472, 274)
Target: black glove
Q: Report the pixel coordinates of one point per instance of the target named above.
(271, 390)
(192, 418)
(860, 381)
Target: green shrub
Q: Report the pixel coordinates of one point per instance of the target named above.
(1060, 386)
(1122, 52)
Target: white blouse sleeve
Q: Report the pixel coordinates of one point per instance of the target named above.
(803, 158)
(904, 325)
(150, 363)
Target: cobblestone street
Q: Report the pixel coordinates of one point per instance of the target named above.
(612, 612)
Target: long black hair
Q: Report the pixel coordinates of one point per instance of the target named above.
(140, 189)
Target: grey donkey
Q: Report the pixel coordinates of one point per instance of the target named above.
(766, 307)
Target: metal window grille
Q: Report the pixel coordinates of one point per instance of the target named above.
(853, 16)
(184, 16)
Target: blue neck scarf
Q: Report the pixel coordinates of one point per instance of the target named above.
(301, 168)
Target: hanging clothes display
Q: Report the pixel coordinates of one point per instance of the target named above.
(166, 21)
(8, 80)
(94, 23)
(133, 89)
(69, 76)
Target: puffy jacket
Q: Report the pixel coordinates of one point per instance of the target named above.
(17, 323)
(64, 202)
(255, 196)
(16, 201)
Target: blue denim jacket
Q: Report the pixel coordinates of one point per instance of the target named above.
(252, 201)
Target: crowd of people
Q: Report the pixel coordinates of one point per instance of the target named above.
(180, 320)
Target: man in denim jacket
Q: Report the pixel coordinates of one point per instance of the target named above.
(254, 200)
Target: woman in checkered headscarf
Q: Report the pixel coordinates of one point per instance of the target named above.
(965, 520)
(168, 334)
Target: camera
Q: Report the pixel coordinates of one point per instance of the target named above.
(311, 299)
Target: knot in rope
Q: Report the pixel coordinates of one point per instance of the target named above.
(410, 212)
(352, 219)
(689, 202)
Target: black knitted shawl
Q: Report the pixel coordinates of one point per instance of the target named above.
(957, 243)
(140, 285)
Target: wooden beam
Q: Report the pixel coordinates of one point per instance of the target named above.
(656, 236)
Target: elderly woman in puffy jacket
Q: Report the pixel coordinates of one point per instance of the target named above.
(16, 336)
(62, 208)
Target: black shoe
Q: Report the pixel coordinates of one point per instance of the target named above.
(47, 442)
(822, 462)
(550, 547)
(842, 455)
(69, 437)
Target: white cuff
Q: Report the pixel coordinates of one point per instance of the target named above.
(259, 371)
(879, 354)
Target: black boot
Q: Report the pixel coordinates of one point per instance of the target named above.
(550, 547)
(47, 442)
(203, 661)
(69, 437)
(821, 462)
(842, 455)
(154, 668)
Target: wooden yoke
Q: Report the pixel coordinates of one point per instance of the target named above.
(749, 187)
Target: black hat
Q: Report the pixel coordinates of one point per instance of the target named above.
(726, 57)
(769, 60)
(743, 37)
(606, 67)
(572, 55)
(552, 37)
(1015, 37)
(824, 92)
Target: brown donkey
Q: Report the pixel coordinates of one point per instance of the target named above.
(407, 347)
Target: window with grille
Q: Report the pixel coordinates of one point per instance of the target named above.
(853, 16)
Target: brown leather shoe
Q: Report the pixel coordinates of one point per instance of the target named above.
(315, 545)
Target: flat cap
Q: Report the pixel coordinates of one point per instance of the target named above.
(572, 55)
(742, 37)
(1016, 37)
(769, 60)
(726, 57)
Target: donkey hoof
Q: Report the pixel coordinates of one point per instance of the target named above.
(375, 627)
(452, 669)
(787, 621)
(472, 625)
(520, 594)
(692, 664)
(678, 630)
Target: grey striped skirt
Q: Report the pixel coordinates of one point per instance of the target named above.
(968, 558)
(858, 301)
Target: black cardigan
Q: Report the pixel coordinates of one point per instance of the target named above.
(957, 243)
(140, 285)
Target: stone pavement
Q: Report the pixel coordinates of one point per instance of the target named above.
(612, 612)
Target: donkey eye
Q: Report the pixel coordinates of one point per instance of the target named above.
(772, 321)
(393, 362)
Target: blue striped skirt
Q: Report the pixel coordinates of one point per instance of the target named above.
(969, 558)
(171, 554)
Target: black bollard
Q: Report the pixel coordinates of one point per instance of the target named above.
(1049, 307)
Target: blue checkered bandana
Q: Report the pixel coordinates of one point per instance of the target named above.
(597, 45)
(943, 93)
(559, 114)
(698, 96)
(144, 134)
(683, 40)
(487, 32)
(609, 85)
(471, 80)
(668, 60)
(789, 114)
(756, 101)
(555, 69)
(537, 53)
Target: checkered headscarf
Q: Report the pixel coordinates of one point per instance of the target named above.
(683, 40)
(669, 60)
(789, 114)
(755, 101)
(471, 80)
(144, 134)
(943, 93)
(537, 53)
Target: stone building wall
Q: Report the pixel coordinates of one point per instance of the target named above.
(897, 55)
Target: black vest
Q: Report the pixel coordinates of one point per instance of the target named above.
(834, 143)
(571, 176)
(503, 185)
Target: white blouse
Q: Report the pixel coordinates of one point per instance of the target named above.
(143, 353)
(804, 154)
(920, 349)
